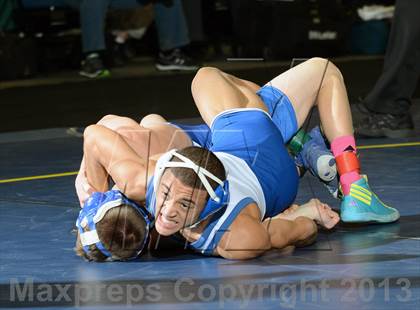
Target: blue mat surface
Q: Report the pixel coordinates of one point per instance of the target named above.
(352, 267)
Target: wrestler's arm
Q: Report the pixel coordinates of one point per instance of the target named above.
(108, 154)
(248, 237)
(298, 232)
(83, 188)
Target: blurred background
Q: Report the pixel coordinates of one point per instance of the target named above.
(66, 63)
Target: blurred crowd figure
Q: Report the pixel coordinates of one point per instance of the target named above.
(171, 25)
(171, 28)
(385, 111)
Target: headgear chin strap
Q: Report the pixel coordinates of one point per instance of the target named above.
(93, 212)
(219, 198)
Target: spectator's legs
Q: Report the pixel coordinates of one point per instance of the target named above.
(92, 20)
(172, 34)
(171, 25)
(170, 22)
(393, 90)
(385, 111)
(193, 15)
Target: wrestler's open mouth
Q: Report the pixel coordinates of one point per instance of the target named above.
(167, 223)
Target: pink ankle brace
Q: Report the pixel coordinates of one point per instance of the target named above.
(342, 144)
(338, 147)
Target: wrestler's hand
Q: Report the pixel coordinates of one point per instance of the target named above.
(314, 209)
(324, 215)
(83, 188)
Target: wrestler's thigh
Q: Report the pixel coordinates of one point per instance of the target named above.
(301, 85)
(215, 91)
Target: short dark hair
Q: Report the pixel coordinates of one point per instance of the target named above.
(203, 158)
(122, 232)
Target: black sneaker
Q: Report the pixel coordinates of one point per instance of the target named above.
(122, 53)
(359, 113)
(92, 67)
(386, 125)
(175, 60)
(118, 55)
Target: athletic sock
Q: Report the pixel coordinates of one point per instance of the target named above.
(339, 146)
(93, 54)
(120, 39)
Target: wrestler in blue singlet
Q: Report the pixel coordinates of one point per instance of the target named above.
(251, 145)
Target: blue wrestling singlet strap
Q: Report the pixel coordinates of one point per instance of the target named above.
(218, 225)
(151, 197)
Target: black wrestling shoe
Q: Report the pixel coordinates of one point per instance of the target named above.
(175, 60)
(92, 67)
(386, 125)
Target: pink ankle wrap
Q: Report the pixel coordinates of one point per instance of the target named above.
(338, 147)
(340, 144)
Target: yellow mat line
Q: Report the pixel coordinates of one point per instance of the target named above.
(39, 177)
(65, 174)
(385, 146)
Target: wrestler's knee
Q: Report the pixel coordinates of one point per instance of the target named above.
(334, 73)
(318, 60)
(114, 122)
(207, 71)
(152, 119)
(204, 73)
(107, 117)
(90, 135)
(111, 121)
(328, 68)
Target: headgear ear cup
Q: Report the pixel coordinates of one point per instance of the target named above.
(213, 206)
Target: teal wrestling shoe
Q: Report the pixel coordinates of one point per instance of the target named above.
(362, 205)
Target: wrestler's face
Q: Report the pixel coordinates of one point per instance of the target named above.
(177, 205)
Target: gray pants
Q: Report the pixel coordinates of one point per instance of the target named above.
(170, 21)
(393, 91)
